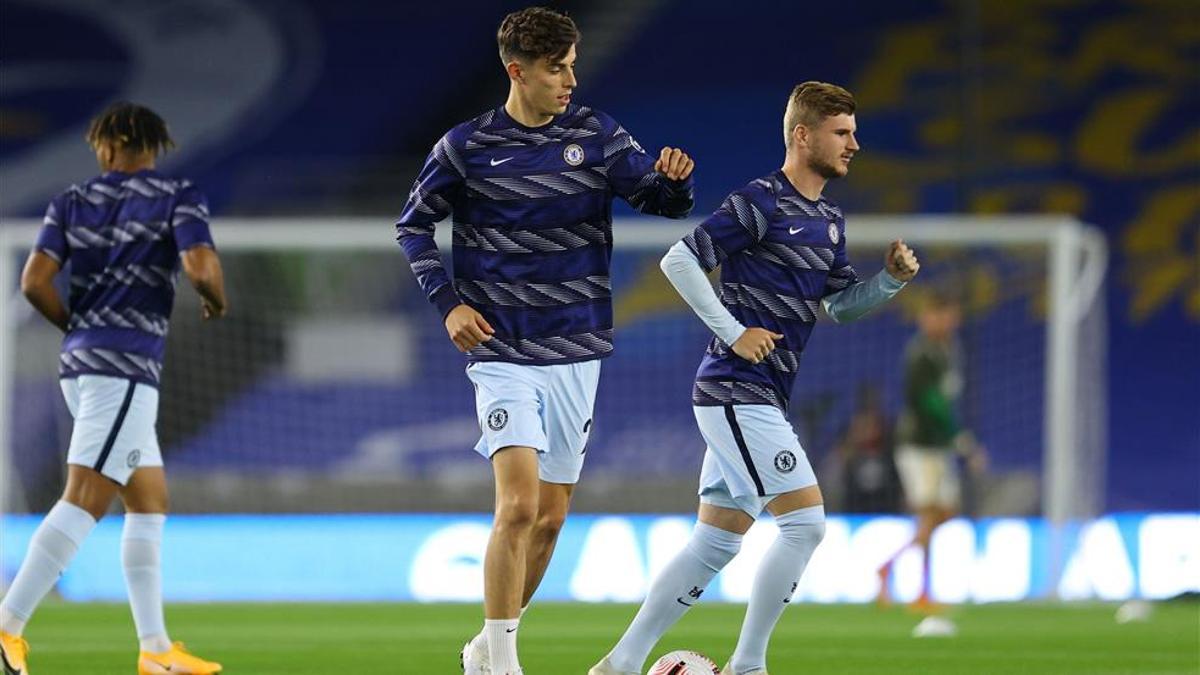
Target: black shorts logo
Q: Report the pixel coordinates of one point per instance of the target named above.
(497, 419)
(785, 461)
(133, 458)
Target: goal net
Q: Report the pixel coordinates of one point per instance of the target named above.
(331, 385)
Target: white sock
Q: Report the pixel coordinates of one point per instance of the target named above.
(141, 558)
(51, 549)
(678, 586)
(481, 637)
(502, 645)
(778, 574)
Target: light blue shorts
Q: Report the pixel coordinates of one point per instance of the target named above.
(547, 408)
(114, 425)
(753, 456)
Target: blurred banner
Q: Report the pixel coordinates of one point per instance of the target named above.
(613, 558)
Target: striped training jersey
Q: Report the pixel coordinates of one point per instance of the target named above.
(119, 236)
(780, 253)
(532, 237)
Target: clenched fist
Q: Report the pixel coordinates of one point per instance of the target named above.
(674, 164)
(901, 261)
(755, 344)
(467, 328)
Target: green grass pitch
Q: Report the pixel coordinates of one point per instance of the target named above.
(565, 639)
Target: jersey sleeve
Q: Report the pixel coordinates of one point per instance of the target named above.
(632, 176)
(189, 220)
(842, 274)
(430, 201)
(52, 238)
(740, 223)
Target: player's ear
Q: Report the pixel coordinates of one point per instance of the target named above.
(515, 71)
(800, 135)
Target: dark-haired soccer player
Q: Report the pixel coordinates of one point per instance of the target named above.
(122, 236)
(781, 247)
(530, 186)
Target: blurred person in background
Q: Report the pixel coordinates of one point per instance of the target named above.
(870, 483)
(931, 437)
(122, 236)
(530, 186)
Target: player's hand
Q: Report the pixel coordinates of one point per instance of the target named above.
(674, 164)
(755, 344)
(902, 261)
(209, 310)
(972, 451)
(977, 462)
(467, 328)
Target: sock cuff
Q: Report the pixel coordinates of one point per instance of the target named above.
(802, 527)
(147, 526)
(810, 515)
(723, 539)
(501, 623)
(73, 522)
(713, 546)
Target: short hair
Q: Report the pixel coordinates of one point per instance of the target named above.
(131, 127)
(535, 33)
(811, 102)
(939, 298)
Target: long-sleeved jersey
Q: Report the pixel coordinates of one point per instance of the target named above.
(532, 218)
(120, 236)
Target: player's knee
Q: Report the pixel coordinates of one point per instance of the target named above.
(803, 527)
(713, 546)
(549, 524)
(516, 513)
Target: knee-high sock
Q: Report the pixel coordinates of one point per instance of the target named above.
(141, 558)
(53, 546)
(778, 574)
(679, 585)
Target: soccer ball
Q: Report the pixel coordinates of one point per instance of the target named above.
(684, 662)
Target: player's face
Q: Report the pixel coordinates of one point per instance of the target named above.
(940, 323)
(832, 145)
(548, 83)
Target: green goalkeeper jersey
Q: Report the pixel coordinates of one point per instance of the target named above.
(933, 383)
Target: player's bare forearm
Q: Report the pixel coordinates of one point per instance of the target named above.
(37, 285)
(45, 300)
(203, 270)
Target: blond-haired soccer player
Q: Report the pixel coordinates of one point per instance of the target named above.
(530, 186)
(781, 247)
(122, 236)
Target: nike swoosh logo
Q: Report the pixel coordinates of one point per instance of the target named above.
(795, 230)
(685, 604)
(498, 162)
(510, 630)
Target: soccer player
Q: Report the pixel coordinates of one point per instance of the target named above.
(781, 247)
(123, 235)
(930, 434)
(530, 186)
